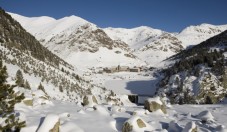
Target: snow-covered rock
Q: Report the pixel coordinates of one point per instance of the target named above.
(136, 124)
(154, 104)
(205, 116)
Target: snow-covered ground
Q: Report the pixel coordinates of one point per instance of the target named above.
(111, 118)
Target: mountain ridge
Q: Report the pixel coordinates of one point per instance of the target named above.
(136, 44)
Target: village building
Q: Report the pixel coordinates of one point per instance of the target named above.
(123, 68)
(134, 69)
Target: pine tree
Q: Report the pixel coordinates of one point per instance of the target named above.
(27, 85)
(8, 99)
(208, 100)
(60, 88)
(19, 79)
(40, 87)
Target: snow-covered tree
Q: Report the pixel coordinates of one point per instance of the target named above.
(40, 87)
(8, 99)
(19, 79)
(27, 85)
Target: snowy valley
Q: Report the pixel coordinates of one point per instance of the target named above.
(78, 77)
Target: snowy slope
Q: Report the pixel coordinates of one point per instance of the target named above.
(153, 45)
(46, 27)
(38, 65)
(135, 37)
(78, 41)
(150, 45)
(73, 37)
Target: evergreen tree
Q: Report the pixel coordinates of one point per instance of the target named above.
(208, 100)
(60, 88)
(19, 79)
(27, 85)
(40, 87)
(8, 99)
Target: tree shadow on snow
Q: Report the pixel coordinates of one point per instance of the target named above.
(142, 87)
(40, 123)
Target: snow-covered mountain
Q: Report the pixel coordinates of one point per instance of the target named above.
(78, 41)
(193, 35)
(153, 45)
(150, 45)
(84, 44)
(19, 50)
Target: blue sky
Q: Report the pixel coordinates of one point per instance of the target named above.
(168, 15)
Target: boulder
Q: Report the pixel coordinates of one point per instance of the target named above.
(135, 123)
(51, 123)
(28, 102)
(154, 104)
(90, 100)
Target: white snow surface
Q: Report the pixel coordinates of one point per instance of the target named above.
(104, 119)
(48, 123)
(133, 37)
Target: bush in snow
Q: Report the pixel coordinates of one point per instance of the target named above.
(153, 104)
(89, 100)
(8, 99)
